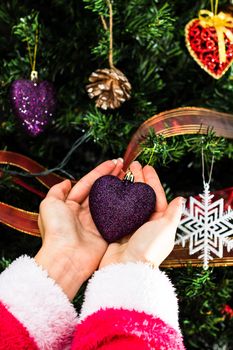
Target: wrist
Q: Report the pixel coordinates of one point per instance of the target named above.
(61, 268)
(135, 258)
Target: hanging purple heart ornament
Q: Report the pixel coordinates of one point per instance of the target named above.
(33, 102)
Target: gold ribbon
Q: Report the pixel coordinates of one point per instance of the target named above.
(220, 22)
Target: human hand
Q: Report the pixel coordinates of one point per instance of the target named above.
(154, 240)
(72, 247)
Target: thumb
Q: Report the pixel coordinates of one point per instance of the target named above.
(174, 210)
(60, 190)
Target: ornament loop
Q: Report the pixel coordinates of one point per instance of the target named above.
(34, 75)
(206, 183)
(129, 176)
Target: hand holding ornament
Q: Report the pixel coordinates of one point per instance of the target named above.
(72, 247)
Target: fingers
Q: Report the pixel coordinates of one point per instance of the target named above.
(81, 190)
(152, 179)
(174, 210)
(121, 174)
(136, 169)
(119, 163)
(60, 191)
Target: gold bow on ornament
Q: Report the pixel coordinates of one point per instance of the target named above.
(220, 22)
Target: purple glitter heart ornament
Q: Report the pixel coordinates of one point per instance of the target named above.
(33, 103)
(119, 208)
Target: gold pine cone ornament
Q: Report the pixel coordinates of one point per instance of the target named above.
(110, 88)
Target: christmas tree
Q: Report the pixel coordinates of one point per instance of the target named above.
(146, 42)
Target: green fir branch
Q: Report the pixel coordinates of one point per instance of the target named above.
(4, 263)
(157, 149)
(101, 50)
(97, 6)
(160, 150)
(153, 23)
(108, 130)
(202, 295)
(26, 28)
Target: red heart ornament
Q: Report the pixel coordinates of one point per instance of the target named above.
(202, 44)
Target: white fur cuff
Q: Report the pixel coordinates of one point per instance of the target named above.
(132, 286)
(38, 303)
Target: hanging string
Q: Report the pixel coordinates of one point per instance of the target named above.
(203, 168)
(214, 6)
(104, 23)
(32, 57)
(60, 166)
(110, 34)
(110, 29)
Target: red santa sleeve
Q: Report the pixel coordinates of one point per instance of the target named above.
(13, 335)
(129, 306)
(34, 311)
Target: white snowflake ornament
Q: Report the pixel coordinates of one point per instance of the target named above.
(206, 226)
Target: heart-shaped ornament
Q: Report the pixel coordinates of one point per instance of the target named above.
(33, 103)
(202, 43)
(120, 207)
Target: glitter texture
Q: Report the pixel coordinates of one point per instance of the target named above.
(33, 103)
(119, 208)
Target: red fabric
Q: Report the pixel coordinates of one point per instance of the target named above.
(123, 329)
(125, 343)
(13, 335)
